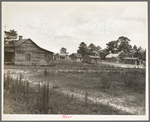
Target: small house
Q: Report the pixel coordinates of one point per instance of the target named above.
(76, 57)
(26, 52)
(114, 57)
(93, 59)
(60, 56)
(131, 60)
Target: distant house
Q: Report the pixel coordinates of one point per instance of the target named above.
(131, 60)
(26, 52)
(76, 56)
(93, 59)
(61, 56)
(114, 57)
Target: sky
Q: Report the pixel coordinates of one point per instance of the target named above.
(53, 25)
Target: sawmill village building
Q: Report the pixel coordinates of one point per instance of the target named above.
(26, 52)
(59, 56)
(76, 57)
(91, 58)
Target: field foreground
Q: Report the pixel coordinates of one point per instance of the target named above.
(106, 90)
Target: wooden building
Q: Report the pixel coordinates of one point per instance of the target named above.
(76, 57)
(93, 59)
(60, 56)
(131, 60)
(26, 52)
(114, 57)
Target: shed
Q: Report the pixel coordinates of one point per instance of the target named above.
(26, 52)
(76, 56)
(60, 56)
(131, 60)
(93, 59)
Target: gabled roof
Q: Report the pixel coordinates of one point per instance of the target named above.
(115, 55)
(78, 55)
(19, 42)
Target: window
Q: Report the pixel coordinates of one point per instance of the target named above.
(28, 56)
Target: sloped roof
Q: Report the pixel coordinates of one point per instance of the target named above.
(78, 55)
(95, 57)
(19, 42)
(115, 55)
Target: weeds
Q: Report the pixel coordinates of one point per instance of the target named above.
(133, 80)
(105, 80)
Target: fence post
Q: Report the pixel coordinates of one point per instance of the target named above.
(86, 98)
(38, 96)
(67, 97)
(4, 81)
(27, 90)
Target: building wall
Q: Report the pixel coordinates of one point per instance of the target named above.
(29, 54)
(73, 57)
(107, 59)
(131, 62)
(86, 59)
(111, 59)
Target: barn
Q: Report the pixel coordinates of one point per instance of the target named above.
(93, 59)
(76, 57)
(26, 52)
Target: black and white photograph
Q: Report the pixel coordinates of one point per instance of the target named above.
(74, 61)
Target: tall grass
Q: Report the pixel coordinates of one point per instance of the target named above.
(22, 88)
(105, 80)
(133, 79)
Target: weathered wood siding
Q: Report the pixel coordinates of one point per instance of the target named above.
(38, 55)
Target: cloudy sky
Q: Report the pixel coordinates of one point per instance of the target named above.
(53, 25)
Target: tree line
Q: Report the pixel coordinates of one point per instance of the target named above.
(122, 44)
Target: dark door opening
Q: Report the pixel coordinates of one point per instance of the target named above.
(9, 57)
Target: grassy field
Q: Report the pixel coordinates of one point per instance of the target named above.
(110, 90)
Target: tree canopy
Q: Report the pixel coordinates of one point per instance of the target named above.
(8, 35)
(82, 48)
(63, 50)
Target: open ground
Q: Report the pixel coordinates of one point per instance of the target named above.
(116, 90)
